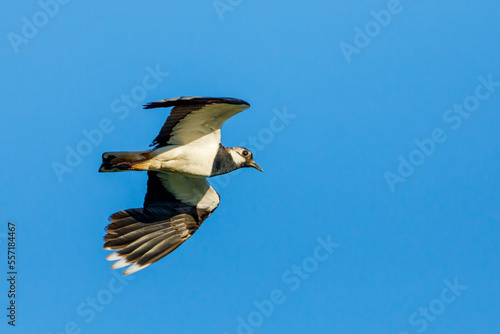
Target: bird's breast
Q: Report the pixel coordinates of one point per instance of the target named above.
(189, 160)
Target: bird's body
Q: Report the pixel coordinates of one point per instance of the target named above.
(179, 198)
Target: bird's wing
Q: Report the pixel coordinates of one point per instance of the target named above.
(174, 208)
(194, 117)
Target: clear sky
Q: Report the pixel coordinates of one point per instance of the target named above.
(376, 123)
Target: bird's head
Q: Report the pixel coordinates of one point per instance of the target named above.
(243, 158)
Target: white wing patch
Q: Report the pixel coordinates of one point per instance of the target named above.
(193, 191)
(204, 123)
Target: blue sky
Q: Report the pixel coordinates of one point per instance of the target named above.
(376, 123)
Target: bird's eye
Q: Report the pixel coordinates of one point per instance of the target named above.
(245, 153)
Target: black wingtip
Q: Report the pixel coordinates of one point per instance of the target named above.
(187, 100)
(151, 105)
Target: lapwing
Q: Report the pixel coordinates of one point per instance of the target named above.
(186, 152)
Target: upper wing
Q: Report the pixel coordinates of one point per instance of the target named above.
(195, 117)
(174, 208)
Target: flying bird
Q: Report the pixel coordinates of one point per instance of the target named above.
(186, 152)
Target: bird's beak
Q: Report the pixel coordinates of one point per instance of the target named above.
(254, 165)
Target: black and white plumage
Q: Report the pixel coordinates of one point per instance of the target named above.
(187, 150)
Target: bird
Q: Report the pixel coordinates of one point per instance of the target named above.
(186, 152)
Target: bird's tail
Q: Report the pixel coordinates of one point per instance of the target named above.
(122, 161)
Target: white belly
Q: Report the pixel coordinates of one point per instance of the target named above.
(191, 159)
